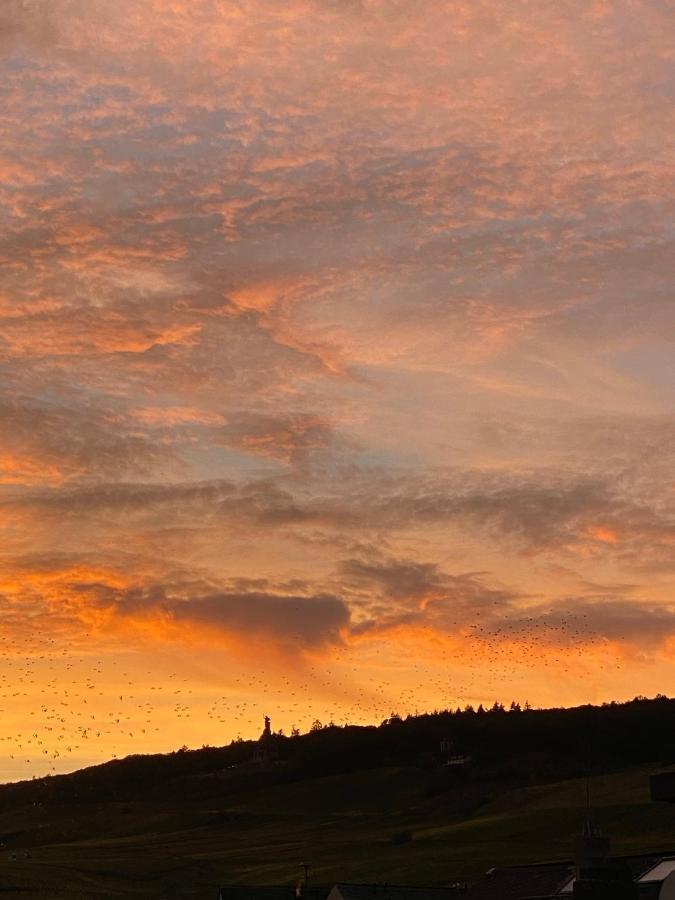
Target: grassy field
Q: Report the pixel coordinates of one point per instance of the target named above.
(342, 825)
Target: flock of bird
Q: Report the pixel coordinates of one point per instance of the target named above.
(62, 709)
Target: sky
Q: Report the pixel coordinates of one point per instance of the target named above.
(336, 364)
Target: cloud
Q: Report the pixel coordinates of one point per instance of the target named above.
(403, 595)
(352, 312)
(373, 599)
(304, 623)
(570, 629)
(291, 438)
(44, 442)
(538, 512)
(406, 597)
(28, 21)
(129, 595)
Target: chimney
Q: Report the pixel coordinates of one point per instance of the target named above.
(597, 876)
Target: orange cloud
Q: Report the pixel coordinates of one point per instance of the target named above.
(177, 415)
(603, 533)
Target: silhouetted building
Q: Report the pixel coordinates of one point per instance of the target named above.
(451, 755)
(519, 882)
(649, 874)
(272, 892)
(340, 891)
(266, 752)
(343, 891)
(597, 876)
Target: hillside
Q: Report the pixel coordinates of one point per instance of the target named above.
(358, 804)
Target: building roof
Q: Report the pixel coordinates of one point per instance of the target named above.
(393, 892)
(340, 890)
(547, 880)
(645, 862)
(272, 892)
(543, 881)
(519, 882)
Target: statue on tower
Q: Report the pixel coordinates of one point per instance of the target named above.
(266, 753)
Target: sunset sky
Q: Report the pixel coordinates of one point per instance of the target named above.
(336, 364)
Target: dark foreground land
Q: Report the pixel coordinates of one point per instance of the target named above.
(375, 804)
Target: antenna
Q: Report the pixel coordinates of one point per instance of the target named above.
(588, 776)
(588, 826)
(302, 884)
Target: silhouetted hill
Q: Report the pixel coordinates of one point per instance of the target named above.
(516, 744)
(359, 803)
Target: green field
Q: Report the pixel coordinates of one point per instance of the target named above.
(342, 825)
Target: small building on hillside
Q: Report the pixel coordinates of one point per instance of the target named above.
(451, 754)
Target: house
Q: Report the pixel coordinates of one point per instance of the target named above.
(594, 874)
(343, 891)
(273, 892)
(518, 882)
(451, 755)
(651, 876)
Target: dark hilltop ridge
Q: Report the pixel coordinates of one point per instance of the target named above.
(429, 799)
(496, 746)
